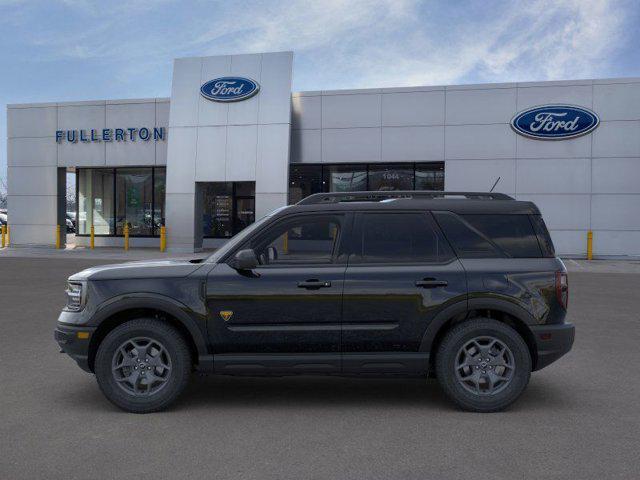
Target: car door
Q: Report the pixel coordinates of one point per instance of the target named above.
(285, 315)
(401, 273)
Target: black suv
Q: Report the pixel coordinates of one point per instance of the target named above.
(462, 286)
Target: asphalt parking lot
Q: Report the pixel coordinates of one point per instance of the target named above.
(579, 418)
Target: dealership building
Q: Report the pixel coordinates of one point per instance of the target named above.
(233, 143)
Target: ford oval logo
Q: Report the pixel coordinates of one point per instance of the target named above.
(555, 122)
(229, 89)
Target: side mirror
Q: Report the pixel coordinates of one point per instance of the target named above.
(244, 260)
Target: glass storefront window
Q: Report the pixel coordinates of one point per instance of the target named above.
(134, 200)
(227, 208)
(304, 180)
(95, 201)
(391, 177)
(109, 198)
(159, 194)
(430, 176)
(345, 178)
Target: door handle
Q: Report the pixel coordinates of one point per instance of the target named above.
(313, 284)
(431, 283)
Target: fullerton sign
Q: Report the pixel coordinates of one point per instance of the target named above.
(555, 122)
(111, 135)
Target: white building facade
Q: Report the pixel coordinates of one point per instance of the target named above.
(233, 143)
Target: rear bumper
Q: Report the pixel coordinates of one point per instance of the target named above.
(73, 345)
(552, 342)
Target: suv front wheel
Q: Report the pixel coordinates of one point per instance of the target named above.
(143, 365)
(483, 365)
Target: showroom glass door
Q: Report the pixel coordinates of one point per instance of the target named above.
(245, 213)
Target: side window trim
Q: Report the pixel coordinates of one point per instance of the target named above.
(341, 217)
(354, 255)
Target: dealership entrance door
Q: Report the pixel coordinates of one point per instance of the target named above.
(227, 207)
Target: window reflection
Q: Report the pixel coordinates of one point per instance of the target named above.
(134, 197)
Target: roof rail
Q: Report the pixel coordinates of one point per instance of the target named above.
(378, 196)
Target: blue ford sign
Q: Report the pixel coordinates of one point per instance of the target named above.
(229, 89)
(555, 122)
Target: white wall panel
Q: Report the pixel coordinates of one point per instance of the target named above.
(617, 101)
(480, 175)
(181, 168)
(32, 122)
(615, 212)
(479, 141)
(617, 139)
(241, 153)
(211, 157)
(306, 112)
(412, 143)
(616, 175)
(273, 142)
(480, 106)
(560, 175)
(571, 243)
(347, 111)
(579, 147)
(268, 202)
(413, 108)
(32, 180)
(81, 117)
(351, 145)
(34, 210)
(616, 243)
(275, 94)
(185, 92)
(542, 95)
(81, 154)
(32, 152)
(306, 146)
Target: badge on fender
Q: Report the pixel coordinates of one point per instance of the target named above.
(226, 315)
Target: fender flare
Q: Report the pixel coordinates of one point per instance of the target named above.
(159, 302)
(491, 303)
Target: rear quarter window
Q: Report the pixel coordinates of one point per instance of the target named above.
(490, 235)
(514, 234)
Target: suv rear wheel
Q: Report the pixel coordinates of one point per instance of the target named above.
(143, 365)
(483, 365)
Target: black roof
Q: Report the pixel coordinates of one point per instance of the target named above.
(457, 202)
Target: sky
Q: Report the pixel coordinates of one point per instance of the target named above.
(85, 50)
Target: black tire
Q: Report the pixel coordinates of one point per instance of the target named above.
(176, 377)
(448, 354)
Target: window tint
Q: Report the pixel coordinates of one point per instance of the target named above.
(467, 242)
(544, 239)
(400, 237)
(304, 240)
(512, 233)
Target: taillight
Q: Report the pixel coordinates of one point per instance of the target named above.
(562, 289)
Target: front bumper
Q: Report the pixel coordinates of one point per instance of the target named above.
(75, 341)
(552, 342)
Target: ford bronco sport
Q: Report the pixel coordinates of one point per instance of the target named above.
(462, 286)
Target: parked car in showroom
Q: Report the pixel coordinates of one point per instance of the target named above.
(463, 286)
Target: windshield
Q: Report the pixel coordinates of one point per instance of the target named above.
(240, 237)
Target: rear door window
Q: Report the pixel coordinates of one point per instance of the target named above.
(514, 234)
(399, 238)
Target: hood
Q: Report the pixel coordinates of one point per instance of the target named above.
(140, 269)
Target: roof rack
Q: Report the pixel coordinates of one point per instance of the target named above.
(378, 196)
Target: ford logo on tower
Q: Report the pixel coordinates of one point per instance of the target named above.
(229, 89)
(555, 122)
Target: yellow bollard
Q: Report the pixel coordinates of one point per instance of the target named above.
(92, 238)
(3, 232)
(57, 236)
(126, 237)
(589, 245)
(163, 238)
(8, 235)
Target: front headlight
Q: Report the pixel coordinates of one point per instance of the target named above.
(75, 296)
